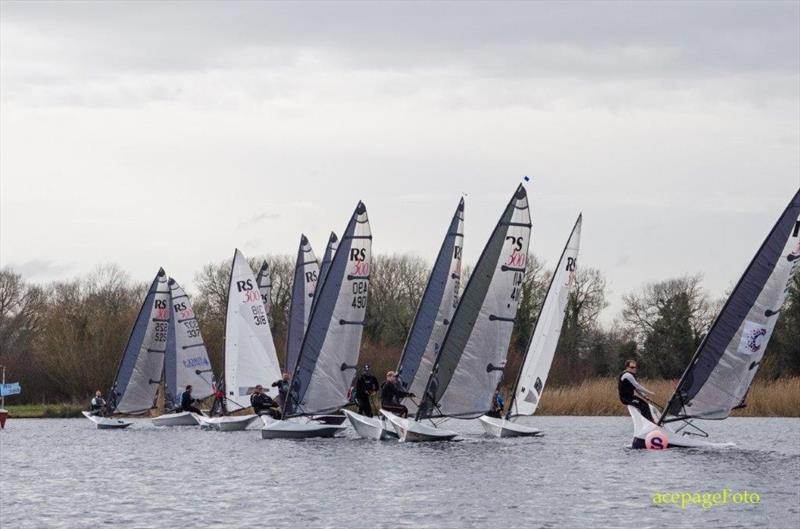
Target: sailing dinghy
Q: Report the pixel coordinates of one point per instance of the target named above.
(139, 371)
(250, 357)
(186, 360)
(720, 373)
(538, 358)
(427, 331)
(329, 354)
(470, 361)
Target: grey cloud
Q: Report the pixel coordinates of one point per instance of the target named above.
(517, 38)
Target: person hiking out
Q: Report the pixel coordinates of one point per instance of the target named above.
(628, 387)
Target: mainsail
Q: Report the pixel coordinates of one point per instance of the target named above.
(250, 357)
(325, 266)
(139, 373)
(306, 272)
(330, 349)
(547, 330)
(434, 311)
(186, 361)
(264, 281)
(721, 371)
(472, 357)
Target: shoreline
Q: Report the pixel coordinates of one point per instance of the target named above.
(591, 398)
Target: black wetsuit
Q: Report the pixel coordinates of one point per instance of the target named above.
(366, 385)
(283, 390)
(97, 405)
(263, 404)
(187, 403)
(627, 395)
(391, 394)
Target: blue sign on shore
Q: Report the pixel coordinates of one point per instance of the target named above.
(10, 389)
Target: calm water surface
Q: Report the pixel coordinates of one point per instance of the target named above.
(64, 473)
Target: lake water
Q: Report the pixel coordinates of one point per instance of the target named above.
(64, 473)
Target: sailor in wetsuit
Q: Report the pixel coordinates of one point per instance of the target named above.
(263, 403)
(98, 403)
(366, 385)
(391, 394)
(187, 402)
(283, 388)
(628, 386)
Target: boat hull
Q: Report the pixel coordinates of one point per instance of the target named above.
(106, 423)
(411, 431)
(184, 418)
(228, 423)
(642, 427)
(298, 430)
(504, 428)
(375, 428)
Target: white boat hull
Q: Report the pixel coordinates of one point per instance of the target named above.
(411, 431)
(228, 423)
(106, 423)
(642, 427)
(184, 418)
(290, 429)
(504, 428)
(375, 428)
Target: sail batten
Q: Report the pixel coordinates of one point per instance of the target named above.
(250, 357)
(724, 365)
(532, 376)
(329, 353)
(469, 364)
(139, 372)
(434, 312)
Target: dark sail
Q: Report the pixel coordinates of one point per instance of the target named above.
(434, 312)
(473, 353)
(325, 266)
(721, 371)
(306, 271)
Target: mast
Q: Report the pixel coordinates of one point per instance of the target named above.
(560, 267)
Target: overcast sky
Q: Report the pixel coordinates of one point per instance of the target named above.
(167, 134)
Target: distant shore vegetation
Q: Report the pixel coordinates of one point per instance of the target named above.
(63, 340)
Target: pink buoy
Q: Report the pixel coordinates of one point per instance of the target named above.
(656, 440)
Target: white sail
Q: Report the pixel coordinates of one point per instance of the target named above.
(264, 281)
(250, 357)
(330, 349)
(186, 361)
(139, 373)
(543, 343)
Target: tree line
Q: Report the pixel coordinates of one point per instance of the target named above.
(64, 339)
